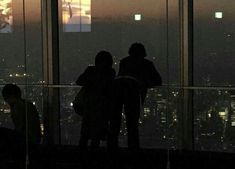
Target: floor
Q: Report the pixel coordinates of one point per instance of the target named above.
(71, 157)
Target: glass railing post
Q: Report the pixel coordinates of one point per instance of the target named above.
(186, 52)
(51, 69)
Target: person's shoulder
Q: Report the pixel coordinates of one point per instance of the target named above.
(90, 68)
(147, 61)
(23, 104)
(108, 72)
(125, 59)
(18, 105)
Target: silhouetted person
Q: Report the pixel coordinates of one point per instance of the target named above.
(24, 125)
(136, 75)
(96, 81)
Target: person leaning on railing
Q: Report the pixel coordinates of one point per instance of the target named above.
(136, 74)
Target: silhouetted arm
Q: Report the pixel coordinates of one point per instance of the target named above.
(84, 77)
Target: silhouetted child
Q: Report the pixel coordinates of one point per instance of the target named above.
(24, 125)
(136, 75)
(96, 81)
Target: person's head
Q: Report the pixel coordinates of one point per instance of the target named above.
(103, 59)
(137, 50)
(11, 93)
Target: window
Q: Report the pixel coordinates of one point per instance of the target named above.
(21, 53)
(6, 18)
(213, 65)
(115, 26)
(76, 15)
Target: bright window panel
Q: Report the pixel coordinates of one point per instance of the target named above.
(6, 18)
(219, 15)
(76, 15)
(137, 17)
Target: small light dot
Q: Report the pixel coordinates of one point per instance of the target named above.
(219, 15)
(137, 17)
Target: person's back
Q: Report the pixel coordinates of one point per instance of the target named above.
(136, 75)
(96, 81)
(141, 69)
(18, 114)
(24, 114)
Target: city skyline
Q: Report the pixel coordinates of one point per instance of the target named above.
(114, 28)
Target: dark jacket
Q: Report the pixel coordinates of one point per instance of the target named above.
(97, 83)
(142, 70)
(18, 115)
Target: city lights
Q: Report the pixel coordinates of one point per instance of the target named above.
(208, 65)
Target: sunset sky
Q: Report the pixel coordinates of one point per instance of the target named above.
(125, 9)
(113, 21)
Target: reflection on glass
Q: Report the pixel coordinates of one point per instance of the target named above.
(219, 15)
(6, 17)
(76, 15)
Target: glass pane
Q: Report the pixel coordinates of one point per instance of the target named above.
(159, 122)
(21, 64)
(213, 65)
(214, 42)
(70, 122)
(115, 25)
(214, 120)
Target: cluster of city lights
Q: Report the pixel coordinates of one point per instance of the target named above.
(18, 75)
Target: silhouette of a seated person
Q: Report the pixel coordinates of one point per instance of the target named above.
(136, 74)
(24, 115)
(97, 82)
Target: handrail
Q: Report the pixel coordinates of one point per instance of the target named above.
(159, 87)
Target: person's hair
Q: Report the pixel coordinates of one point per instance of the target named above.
(104, 59)
(11, 90)
(138, 50)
